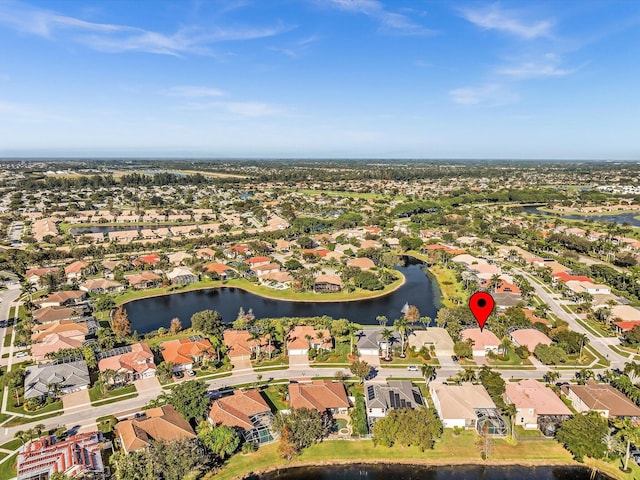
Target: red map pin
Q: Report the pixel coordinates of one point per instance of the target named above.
(481, 305)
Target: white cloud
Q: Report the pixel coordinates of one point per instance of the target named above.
(492, 95)
(121, 38)
(549, 66)
(373, 8)
(493, 17)
(193, 91)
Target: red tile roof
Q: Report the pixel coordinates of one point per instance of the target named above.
(318, 395)
(234, 410)
(182, 351)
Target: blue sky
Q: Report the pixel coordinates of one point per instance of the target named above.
(321, 78)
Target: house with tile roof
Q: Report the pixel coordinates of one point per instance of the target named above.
(101, 285)
(483, 340)
(603, 398)
(35, 275)
(143, 280)
(184, 352)
(530, 338)
(157, 424)
(64, 298)
(131, 362)
(247, 412)
(537, 406)
(299, 344)
(71, 376)
(320, 395)
(327, 284)
(240, 344)
(52, 314)
(53, 343)
(182, 276)
(76, 270)
(79, 456)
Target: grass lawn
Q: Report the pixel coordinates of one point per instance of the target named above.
(274, 398)
(7, 469)
(7, 338)
(512, 359)
(114, 400)
(46, 409)
(16, 421)
(612, 468)
(225, 367)
(95, 393)
(12, 444)
(451, 289)
(337, 355)
(449, 449)
(273, 362)
(521, 432)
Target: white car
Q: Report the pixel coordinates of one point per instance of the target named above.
(412, 368)
(22, 354)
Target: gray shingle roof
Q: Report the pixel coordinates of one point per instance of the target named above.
(71, 376)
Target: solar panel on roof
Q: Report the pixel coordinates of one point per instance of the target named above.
(370, 393)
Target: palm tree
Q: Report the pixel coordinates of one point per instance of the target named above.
(386, 335)
(552, 376)
(542, 310)
(22, 435)
(54, 389)
(401, 325)
(39, 428)
(428, 372)
(632, 370)
(382, 320)
(510, 410)
(504, 346)
(630, 433)
(320, 336)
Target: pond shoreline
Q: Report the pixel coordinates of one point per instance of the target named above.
(401, 281)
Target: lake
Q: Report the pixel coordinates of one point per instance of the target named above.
(420, 289)
(612, 218)
(116, 228)
(415, 472)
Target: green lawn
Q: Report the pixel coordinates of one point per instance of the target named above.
(52, 407)
(337, 355)
(512, 359)
(449, 449)
(275, 398)
(7, 337)
(114, 400)
(521, 432)
(7, 469)
(12, 444)
(95, 393)
(452, 290)
(273, 362)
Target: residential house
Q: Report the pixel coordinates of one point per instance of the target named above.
(537, 407)
(247, 412)
(206, 253)
(178, 258)
(265, 269)
(152, 259)
(380, 398)
(362, 263)
(483, 340)
(182, 276)
(437, 337)
(467, 406)
(64, 298)
(241, 345)
(55, 342)
(257, 261)
(76, 270)
(130, 363)
(303, 337)
(53, 314)
(69, 376)
(184, 352)
(279, 280)
(530, 338)
(143, 280)
(371, 342)
(591, 288)
(78, 329)
(327, 284)
(101, 285)
(157, 424)
(35, 275)
(320, 395)
(79, 456)
(603, 398)
(109, 267)
(223, 271)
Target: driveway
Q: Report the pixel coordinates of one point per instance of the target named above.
(373, 360)
(299, 360)
(147, 386)
(241, 364)
(75, 400)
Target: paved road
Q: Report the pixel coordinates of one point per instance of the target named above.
(601, 344)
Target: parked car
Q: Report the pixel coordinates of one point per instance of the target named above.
(22, 354)
(412, 368)
(454, 358)
(178, 374)
(191, 373)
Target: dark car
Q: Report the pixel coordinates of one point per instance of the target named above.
(454, 358)
(178, 374)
